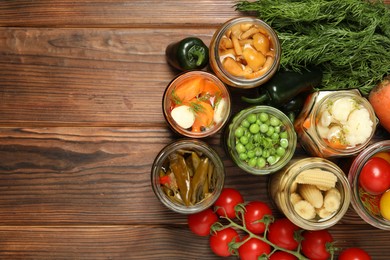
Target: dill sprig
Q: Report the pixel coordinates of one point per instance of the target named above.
(348, 39)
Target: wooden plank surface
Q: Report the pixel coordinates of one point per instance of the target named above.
(81, 84)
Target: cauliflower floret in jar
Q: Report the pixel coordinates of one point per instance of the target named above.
(359, 127)
(342, 107)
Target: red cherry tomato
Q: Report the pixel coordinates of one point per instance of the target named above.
(375, 176)
(280, 255)
(255, 211)
(200, 223)
(253, 249)
(219, 241)
(314, 244)
(281, 233)
(226, 202)
(354, 253)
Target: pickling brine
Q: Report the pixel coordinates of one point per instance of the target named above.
(335, 123)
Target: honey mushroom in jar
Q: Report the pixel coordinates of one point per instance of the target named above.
(246, 51)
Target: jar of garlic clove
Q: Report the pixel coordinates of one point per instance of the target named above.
(313, 193)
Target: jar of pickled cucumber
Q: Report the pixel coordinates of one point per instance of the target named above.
(187, 176)
(313, 193)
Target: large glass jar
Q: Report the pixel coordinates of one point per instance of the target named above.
(187, 176)
(365, 204)
(335, 123)
(245, 52)
(295, 188)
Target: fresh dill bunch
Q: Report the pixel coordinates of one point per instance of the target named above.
(348, 39)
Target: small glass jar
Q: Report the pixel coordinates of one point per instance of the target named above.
(285, 185)
(365, 204)
(200, 192)
(251, 156)
(229, 45)
(196, 104)
(335, 123)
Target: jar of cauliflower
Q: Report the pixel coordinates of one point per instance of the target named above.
(335, 123)
(313, 193)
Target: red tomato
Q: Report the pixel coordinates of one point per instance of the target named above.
(375, 176)
(253, 249)
(255, 211)
(219, 241)
(200, 223)
(226, 202)
(314, 244)
(354, 253)
(280, 255)
(281, 233)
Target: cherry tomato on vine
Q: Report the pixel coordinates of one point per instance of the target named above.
(280, 255)
(375, 176)
(281, 233)
(255, 211)
(226, 202)
(253, 249)
(219, 241)
(354, 253)
(314, 244)
(200, 223)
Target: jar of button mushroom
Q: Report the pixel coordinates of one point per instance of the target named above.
(335, 123)
(313, 193)
(245, 52)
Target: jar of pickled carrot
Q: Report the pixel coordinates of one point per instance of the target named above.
(196, 104)
(245, 52)
(335, 123)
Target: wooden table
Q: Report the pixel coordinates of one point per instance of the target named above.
(81, 84)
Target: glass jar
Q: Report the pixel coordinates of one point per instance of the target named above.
(254, 151)
(286, 189)
(335, 123)
(202, 173)
(262, 46)
(196, 104)
(365, 204)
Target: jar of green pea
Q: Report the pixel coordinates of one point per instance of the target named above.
(261, 140)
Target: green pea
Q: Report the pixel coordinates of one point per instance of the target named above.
(261, 162)
(251, 118)
(266, 153)
(239, 131)
(243, 156)
(280, 151)
(263, 128)
(274, 121)
(254, 128)
(283, 135)
(277, 129)
(263, 117)
(270, 131)
(245, 123)
(240, 148)
(284, 142)
(252, 162)
(251, 154)
(249, 146)
(275, 136)
(244, 140)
